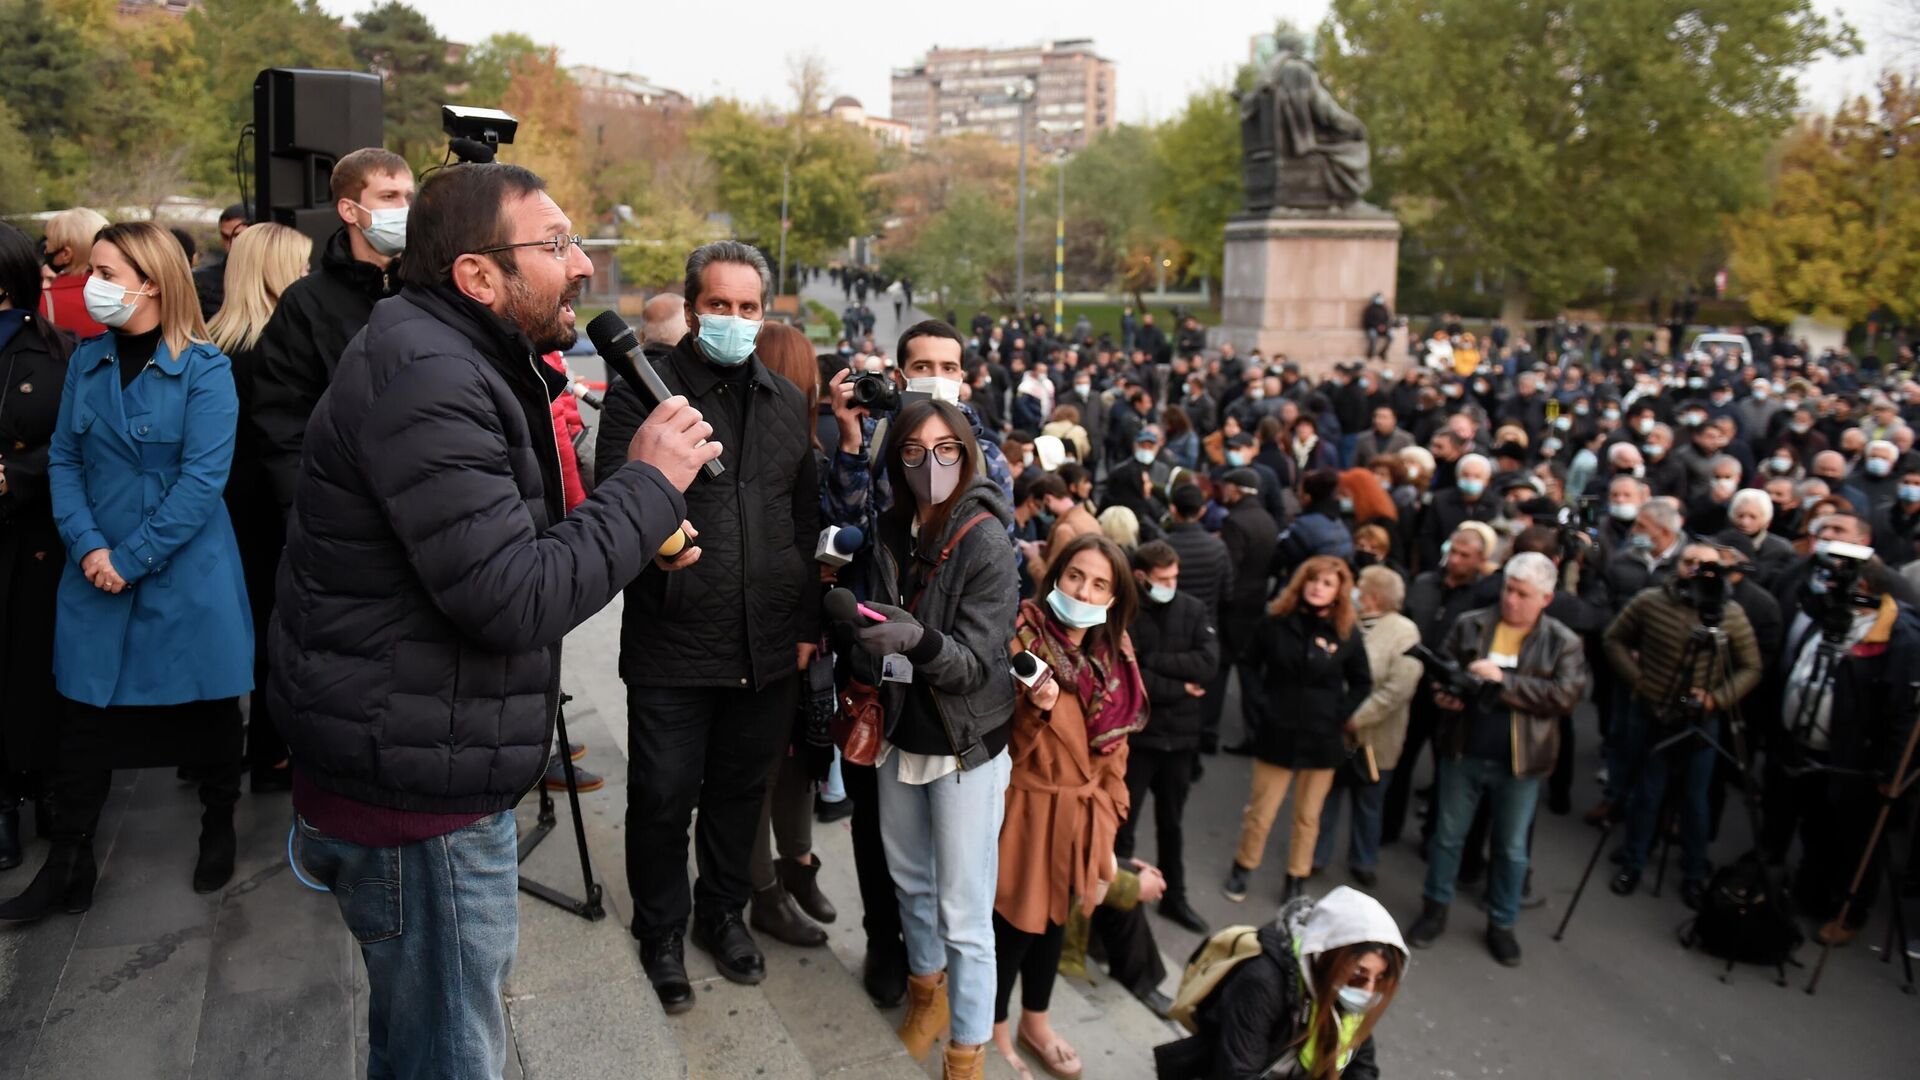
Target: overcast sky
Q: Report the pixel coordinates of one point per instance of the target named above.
(740, 48)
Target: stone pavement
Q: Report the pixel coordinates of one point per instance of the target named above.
(156, 983)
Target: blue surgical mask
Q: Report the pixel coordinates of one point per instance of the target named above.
(1878, 466)
(1652, 451)
(1236, 458)
(1357, 1001)
(1910, 493)
(1075, 613)
(1626, 512)
(1143, 456)
(1782, 464)
(387, 231)
(1346, 505)
(1640, 542)
(110, 304)
(728, 339)
(1471, 488)
(1160, 594)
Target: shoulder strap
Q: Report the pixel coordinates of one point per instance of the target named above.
(946, 553)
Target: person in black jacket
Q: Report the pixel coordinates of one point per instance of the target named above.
(1306, 1005)
(1250, 535)
(1309, 652)
(209, 278)
(430, 575)
(33, 369)
(1206, 574)
(1178, 653)
(711, 657)
(1465, 501)
(321, 312)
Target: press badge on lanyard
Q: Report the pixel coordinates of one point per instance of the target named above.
(896, 668)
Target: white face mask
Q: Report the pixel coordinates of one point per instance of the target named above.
(110, 304)
(386, 231)
(935, 387)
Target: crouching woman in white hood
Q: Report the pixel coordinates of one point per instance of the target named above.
(1307, 1005)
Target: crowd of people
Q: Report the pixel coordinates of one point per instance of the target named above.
(986, 590)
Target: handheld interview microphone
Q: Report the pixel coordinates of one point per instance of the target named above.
(841, 606)
(838, 544)
(616, 343)
(1028, 669)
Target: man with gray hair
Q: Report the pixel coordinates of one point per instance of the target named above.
(1496, 744)
(711, 661)
(1877, 477)
(1467, 500)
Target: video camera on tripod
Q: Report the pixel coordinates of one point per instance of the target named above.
(1451, 677)
(1836, 583)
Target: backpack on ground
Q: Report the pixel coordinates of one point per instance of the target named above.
(1743, 918)
(1211, 962)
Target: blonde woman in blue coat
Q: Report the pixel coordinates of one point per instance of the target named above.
(153, 641)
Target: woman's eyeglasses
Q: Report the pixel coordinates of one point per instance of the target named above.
(913, 455)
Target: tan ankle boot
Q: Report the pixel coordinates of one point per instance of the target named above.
(969, 1063)
(927, 1017)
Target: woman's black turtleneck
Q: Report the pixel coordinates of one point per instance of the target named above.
(134, 351)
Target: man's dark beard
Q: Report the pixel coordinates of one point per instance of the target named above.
(541, 322)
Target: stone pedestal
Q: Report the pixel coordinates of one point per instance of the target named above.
(1296, 281)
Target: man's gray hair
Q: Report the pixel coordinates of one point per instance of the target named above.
(1755, 498)
(1384, 585)
(1713, 465)
(1665, 512)
(1618, 451)
(1535, 569)
(727, 251)
(1479, 460)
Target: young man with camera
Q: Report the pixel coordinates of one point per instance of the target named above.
(1500, 743)
(1852, 664)
(1681, 675)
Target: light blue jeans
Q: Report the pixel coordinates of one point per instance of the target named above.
(833, 789)
(943, 849)
(438, 923)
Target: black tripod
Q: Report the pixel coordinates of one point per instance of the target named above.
(590, 908)
(1878, 844)
(1707, 640)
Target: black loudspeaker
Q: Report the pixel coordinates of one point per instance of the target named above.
(303, 122)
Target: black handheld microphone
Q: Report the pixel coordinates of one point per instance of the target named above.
(843, 607)
(616, 343)
(1028, 669)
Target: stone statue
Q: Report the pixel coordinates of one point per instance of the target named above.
(1299, 148)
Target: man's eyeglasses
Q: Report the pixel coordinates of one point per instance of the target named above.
(913, 455)
(558, 245)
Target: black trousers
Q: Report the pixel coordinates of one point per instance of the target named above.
(1835, 821)
(1212, 706)
(877, 895)
(261, 531)
(1034, 959)
(95, 741)
(1168, 775)
(1126, 940)
(1393, 814)
(698, 746)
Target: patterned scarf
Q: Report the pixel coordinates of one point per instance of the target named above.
(1111, 694)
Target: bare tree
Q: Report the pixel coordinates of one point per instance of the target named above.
(807, 81)
(1903, 30)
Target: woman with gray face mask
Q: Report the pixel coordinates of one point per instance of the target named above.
(943, 578)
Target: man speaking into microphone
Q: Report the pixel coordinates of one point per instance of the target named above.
(431, 572)
(711, 655)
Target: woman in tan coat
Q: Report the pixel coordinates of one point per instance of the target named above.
(1069, 792)
(1378, 728)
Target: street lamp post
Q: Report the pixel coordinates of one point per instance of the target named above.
(1060, 228)
(1021, 95)
(780, 289)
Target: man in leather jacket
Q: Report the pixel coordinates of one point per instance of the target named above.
(1499, 745)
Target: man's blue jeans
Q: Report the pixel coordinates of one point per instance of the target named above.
(943, 849)
(438, 923)
(1691, 762)
(1464, 781)
(1363, 845)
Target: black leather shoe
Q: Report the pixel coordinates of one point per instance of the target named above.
(885, 972)
(1625, 883)
(64, 883)
(665, 959)
(802, 882)
(1429, 926)
(773, 912)
(1367, 879)
(1692, 893)
(1503, 945)
(9, 835)
(1177, 911)
(1156, 1002)
(725, 937)
(1240, 749)
(826, 813)
(217, 847)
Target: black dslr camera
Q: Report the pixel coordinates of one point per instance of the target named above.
(1449, 677)
(1706, 591)
(876, 391)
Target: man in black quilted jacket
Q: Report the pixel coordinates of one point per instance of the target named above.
(711, 656)
(431, 572)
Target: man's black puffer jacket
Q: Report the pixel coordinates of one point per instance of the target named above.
(301, 346)
(431, 569)
(1176, 645)
(733, 618)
